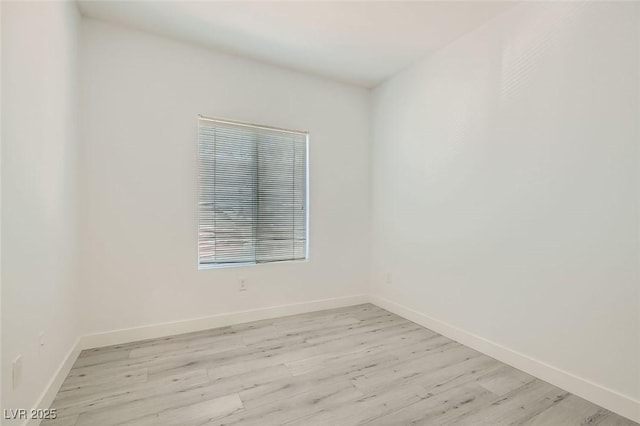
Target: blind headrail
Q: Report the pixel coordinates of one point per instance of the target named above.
(255, 126)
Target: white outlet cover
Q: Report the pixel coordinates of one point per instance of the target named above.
(242, 284)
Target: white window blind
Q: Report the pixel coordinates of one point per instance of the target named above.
(252, 188)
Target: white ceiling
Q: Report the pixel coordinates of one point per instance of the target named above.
(357, 42)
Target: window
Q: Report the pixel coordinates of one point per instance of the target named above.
(252, 193)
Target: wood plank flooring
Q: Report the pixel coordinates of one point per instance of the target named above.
(348, 366)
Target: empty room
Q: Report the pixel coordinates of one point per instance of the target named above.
(320, 213)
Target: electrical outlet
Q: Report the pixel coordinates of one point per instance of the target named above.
(41, 343)
(389, 278)
(16, 372)
(242, 284)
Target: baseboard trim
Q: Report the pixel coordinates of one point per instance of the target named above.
(153, 331)
(600, 395)
(50, 391)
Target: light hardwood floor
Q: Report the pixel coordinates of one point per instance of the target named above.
(348, 366)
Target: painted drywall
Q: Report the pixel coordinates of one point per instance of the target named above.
(140, 95)
(39, 181)
(1, 365)
(505, 188)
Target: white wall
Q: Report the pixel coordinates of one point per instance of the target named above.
(505, 187)
(139, 98)
(39, 164)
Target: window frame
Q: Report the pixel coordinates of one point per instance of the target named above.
(205, 266)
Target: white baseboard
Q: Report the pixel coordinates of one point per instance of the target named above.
(54, 384)
(600, 395)
(153, 331)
